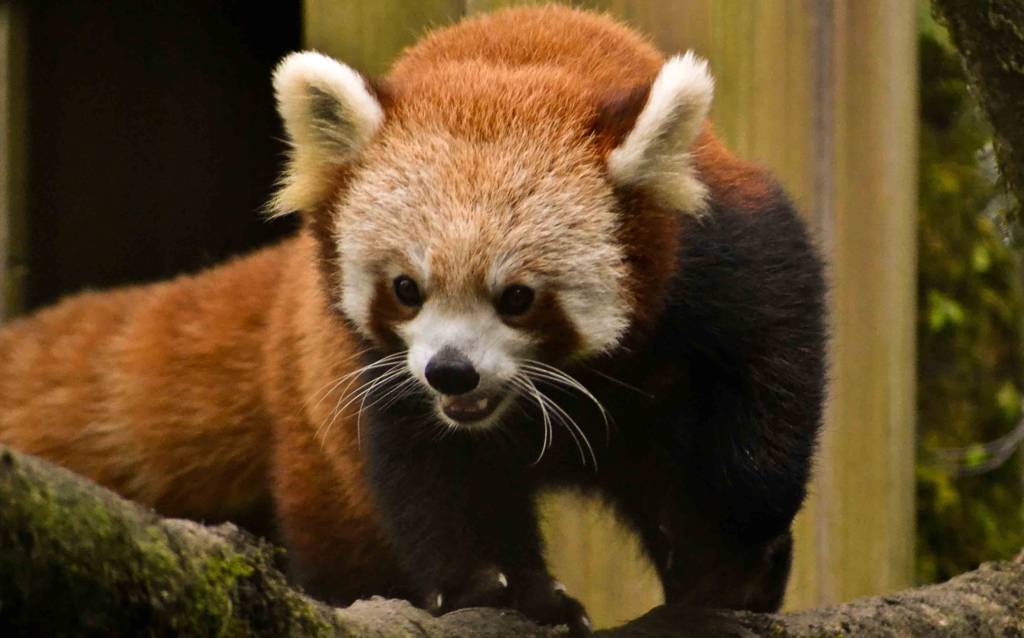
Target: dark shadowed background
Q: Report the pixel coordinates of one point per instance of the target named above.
(152, 139)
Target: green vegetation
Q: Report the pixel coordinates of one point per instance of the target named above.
(970, 342)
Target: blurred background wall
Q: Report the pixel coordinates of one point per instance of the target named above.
(139, 141)
(142, 137)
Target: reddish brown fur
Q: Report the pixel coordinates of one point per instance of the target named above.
(558, 336)
(208, 395)
(385, 312)
(735, 183)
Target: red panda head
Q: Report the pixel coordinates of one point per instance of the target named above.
(474, 218)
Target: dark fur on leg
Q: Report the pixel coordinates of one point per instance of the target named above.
(460, 512)
(717, 460)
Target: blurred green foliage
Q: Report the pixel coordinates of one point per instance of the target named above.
(970, 356)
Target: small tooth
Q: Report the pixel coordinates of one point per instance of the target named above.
(481, 404)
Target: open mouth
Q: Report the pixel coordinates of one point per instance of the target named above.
(469, 408)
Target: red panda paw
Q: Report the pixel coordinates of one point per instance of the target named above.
(533, 593)
(543, 600)
(487, 587)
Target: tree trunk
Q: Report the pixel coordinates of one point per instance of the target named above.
(76, 559)
(990, 36)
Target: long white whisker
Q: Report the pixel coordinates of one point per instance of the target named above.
(390, 361)
(532, 389)
(402, 390)
(561, 384)
(353, 376)
(538, 366)
(365, 389)
(338, 407)
(390, 392)
(362, 402)
(553, 374)
(361, 393)
(621, 382)
(325, 391)
(561, 421)
(571, 425)
(385, 362)
(522, 383)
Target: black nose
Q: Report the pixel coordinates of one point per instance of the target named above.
(450, 372)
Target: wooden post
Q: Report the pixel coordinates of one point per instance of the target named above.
(871, 236)
(369, 35)
(12, 159)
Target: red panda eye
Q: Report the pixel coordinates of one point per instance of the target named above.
(407, 291)
(515, 300)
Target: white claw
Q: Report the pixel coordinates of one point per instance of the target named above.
(557, 586)
(502, 580)
(440, 601)
(585, 622)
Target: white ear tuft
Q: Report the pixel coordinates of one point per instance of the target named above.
(330, 115)
(655, 155)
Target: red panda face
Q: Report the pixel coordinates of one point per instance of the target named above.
(476, 230)
(482, 260)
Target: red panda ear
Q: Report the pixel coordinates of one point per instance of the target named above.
(330, 113)
(653, 141)
(616, 115)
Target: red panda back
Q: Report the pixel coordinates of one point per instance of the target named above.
(602, 54)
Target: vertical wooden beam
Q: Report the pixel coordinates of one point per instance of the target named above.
(369, 35)
(872, 240)
(12, 158)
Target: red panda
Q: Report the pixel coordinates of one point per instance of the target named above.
(525, 261)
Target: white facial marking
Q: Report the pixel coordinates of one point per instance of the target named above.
(359, 283)
(477, 332)
(599, 315)
(357, 290)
